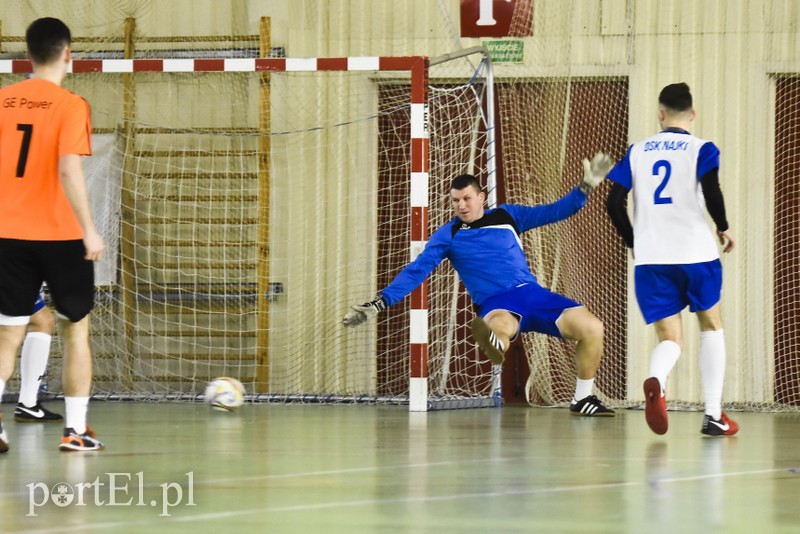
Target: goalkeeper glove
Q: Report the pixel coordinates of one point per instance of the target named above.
(595, 171)
(360, 314)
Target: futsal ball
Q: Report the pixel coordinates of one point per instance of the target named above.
(225, 394)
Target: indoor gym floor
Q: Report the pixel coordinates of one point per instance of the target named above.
(179, 467)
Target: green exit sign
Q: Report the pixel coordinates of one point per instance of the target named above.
(505, 50)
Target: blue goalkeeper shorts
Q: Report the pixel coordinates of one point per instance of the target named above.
(665, 290)
(537, 308)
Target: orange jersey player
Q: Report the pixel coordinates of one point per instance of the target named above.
(47, 234)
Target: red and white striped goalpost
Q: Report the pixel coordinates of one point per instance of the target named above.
(417, 66)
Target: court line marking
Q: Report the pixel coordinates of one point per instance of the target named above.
(331, 472)
(394, 500)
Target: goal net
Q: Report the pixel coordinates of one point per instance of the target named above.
(248, 203)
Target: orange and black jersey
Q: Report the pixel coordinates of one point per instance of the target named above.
(39, 122)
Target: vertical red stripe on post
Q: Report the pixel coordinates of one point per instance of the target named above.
(419, 223)
(419, 360)
(419, 81)
(419, 297)
(419, 155)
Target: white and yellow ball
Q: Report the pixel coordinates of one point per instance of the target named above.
(225, 394)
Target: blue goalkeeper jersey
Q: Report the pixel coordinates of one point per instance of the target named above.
(487, 253)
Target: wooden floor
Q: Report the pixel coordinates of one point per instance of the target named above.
(178, 467)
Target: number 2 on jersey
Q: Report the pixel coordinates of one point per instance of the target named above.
(27, 132)
(657, 166)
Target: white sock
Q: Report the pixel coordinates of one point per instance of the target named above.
(662, 359)
(76, 408)
(712, 370)
(32, 365)
(583, 388)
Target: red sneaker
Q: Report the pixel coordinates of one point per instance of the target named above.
(655, 406)
(3, 437)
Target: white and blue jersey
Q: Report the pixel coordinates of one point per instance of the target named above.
(669, 224)
(487, 253)
(675, 252)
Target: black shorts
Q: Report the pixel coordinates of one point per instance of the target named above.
(24, 265)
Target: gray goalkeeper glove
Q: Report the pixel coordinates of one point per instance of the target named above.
(595, 171)
(360, 314)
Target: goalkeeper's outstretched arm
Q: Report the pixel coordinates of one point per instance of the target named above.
(406, 280)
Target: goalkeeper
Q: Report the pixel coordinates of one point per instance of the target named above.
(484, 247)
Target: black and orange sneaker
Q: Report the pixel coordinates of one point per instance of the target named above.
(35, 414)
(590, 406)
(719, 427)
(655, 406)
(72, 441)
(3, 437)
